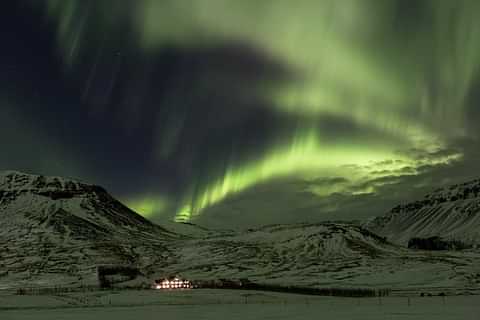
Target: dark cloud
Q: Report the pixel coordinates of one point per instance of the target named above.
(128, 115)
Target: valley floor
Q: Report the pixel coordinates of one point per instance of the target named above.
(232, 304)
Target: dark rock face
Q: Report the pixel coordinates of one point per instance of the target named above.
(109, 275)
(436, 243)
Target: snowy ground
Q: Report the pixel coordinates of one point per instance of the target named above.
(221, 304)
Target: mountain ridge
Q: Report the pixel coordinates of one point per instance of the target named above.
(63, 240)
(452, 213)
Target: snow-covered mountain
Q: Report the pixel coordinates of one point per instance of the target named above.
(452, 213)
(57, 226)
(56, 231)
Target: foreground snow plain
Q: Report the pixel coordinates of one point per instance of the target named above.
(232, 304)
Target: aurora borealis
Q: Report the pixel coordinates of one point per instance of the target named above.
(235, 113)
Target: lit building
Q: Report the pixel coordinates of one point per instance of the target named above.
(172, 283)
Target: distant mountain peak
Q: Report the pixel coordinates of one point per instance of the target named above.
(451, 212)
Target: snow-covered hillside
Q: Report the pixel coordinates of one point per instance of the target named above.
(453, 213)
(54, 226)
(321, 255)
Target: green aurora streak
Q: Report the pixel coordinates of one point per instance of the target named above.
(306, 157)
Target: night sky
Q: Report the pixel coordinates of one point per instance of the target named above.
(236, 113)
